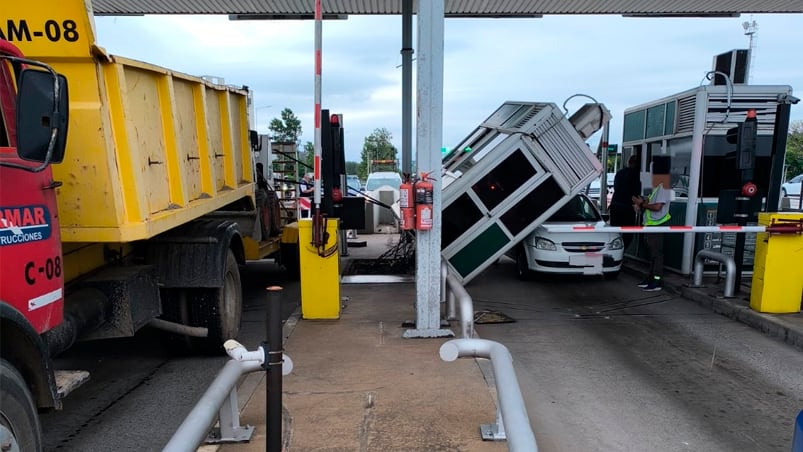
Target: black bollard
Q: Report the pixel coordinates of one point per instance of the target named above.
(273, 365)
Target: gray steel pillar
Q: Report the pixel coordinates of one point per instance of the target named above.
(407, 86)
(429, 136)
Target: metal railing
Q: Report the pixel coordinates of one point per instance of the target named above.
(511, 409)
(730, 270)
(220, 399)
(451, 287)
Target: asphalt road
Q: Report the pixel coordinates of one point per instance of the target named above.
(604, 366)
(139, 391)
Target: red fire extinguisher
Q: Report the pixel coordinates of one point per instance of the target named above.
(423, 203)
(406, 206)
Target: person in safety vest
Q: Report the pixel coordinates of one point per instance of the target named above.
(655, 208)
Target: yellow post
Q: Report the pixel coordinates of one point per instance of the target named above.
(777, 279)
(320, 273)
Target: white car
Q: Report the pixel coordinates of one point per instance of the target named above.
(792, 186)
(578, 253)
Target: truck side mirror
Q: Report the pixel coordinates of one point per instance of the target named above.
(253, 137)
(41, 110)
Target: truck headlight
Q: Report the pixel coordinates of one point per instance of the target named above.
(616, 244)
(545, 244)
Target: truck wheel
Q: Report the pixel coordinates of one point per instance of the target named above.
(290, 261)
(219, 309)
(19, 423)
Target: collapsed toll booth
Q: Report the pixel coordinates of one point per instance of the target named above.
(519, 166)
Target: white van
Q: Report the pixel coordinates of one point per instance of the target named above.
(382, 178)
(383, 182)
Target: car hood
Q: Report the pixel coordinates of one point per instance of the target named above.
(547, 230)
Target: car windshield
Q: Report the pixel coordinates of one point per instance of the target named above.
(578, 209)
(377, 182)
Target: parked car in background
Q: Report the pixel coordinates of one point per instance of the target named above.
(354, 185)
(579, 253)
(792, 186)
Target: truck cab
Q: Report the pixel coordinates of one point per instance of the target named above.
(33, 127)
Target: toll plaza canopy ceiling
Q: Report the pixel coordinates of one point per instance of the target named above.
(303, 9)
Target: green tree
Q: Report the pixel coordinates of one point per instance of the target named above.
(287, 129)
(307, 156)
(352, 167)
(377, 147)
(794, 150)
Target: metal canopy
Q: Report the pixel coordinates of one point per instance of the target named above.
(303, 9)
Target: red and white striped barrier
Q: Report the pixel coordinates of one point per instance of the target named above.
(655, 229)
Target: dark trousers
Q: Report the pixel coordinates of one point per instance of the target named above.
(655, 245)
(623, 215)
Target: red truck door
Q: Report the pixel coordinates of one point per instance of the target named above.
(32, 278)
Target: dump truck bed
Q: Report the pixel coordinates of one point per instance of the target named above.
(148, 149)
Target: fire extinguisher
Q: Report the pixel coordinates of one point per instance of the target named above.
(406, 206)
(423, 203)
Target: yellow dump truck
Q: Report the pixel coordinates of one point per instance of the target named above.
(127, 198)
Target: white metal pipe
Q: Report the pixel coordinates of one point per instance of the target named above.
(466, 306)
(448, 295)
(520, 436)
(194, 429)
(730, 269)
(178, 328)
(238, 352)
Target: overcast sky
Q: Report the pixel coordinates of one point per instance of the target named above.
(621, 62)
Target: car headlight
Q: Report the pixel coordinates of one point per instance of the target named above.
(545, 244)
(616, 244)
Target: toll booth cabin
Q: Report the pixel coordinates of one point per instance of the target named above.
(509, 175)
(691, 127)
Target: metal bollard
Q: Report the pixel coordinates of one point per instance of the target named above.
(273, 366)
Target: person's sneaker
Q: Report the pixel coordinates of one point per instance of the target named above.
(646, 282)
(653, 285)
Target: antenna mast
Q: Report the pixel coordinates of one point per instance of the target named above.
(751, 30)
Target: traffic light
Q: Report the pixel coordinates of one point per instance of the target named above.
(744, 137)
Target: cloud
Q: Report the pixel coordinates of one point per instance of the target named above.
(621, 62)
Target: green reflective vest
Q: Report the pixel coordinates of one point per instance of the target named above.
(648, 219)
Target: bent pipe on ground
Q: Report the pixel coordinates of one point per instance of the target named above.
(520, 436)
(730, 269)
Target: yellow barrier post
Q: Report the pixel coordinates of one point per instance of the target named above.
(320, 273)
(777, 279)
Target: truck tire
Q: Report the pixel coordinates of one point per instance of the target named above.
(19, 422)
(218, 309)
(290, 261)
